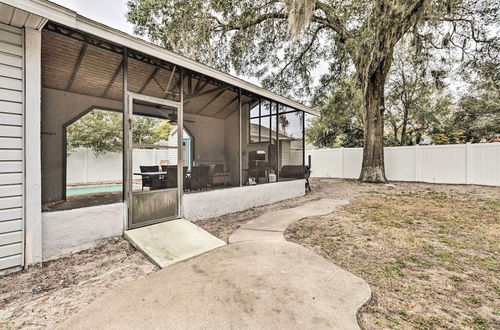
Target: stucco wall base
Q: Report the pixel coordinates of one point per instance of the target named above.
(66, 232)
(204, 205)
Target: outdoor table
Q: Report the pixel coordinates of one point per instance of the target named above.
(151, 173)
(158, 179)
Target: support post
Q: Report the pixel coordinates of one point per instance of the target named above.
(468, 163)
(304, 139)
(180, 131)
(32, 142)
(240, 167)
(260, 122)
(127, 152)
(341, 162)
(278, 155)
(418, 163)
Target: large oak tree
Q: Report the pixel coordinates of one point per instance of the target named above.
(283, 41)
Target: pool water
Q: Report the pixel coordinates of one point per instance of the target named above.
(92, 189)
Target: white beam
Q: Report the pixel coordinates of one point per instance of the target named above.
(180, 137)
(32, 159)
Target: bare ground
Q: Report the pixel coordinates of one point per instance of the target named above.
(224, 225)
(429, 252)
(44, 297)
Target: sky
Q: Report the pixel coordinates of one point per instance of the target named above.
(109, 12)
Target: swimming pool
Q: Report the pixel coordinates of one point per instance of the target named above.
(98, 188)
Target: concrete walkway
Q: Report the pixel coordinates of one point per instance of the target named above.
(259, 281)
(272, 225)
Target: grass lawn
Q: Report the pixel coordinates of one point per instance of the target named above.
(429, 252)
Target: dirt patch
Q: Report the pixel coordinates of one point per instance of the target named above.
(44, 297)
(224, 225)
(429, 252)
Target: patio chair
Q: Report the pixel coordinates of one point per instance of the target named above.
(219, 168)
(292, 172)
(172, 176)
(214, 169)
(147, 181)
(199, 177)
(296, 172)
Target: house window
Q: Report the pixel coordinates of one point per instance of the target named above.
(263, 122)
(291, 143)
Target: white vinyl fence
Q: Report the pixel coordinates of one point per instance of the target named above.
(459, 163)
(84, 167)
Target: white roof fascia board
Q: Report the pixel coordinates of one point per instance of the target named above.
(45, 9)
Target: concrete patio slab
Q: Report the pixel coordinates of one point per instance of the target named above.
(269, 285)
(173, 241)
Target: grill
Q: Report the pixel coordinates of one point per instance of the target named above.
(307, 175)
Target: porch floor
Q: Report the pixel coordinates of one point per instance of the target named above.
(173, 241)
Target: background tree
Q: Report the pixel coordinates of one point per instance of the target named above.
(162, 130)
(98, 130)
(341, 120)
(478, 113)
(289, 38)
(416, 96)
(101, 131)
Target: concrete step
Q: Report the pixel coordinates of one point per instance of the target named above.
(173, 241)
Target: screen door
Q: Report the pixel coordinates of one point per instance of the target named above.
(154, 169)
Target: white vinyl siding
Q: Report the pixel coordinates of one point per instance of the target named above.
(11, 147)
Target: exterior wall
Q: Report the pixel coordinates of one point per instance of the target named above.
(204, 205)
(75, 230)
(208, 135)
(71, 231)
(232, 147)
(11, 147)
(245, 133)
(455, 164)
(58, 108)
(285, 152)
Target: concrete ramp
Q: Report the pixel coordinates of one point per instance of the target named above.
(173, 241)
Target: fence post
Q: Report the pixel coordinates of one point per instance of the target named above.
(86, 162)
(468, 163)
(341, 162)
(418, 163)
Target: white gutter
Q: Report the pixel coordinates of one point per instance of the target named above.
(71, 19)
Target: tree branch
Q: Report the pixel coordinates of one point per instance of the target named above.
(332, 20)
(226, 27)
(304, 51)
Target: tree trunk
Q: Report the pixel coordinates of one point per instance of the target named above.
(372, 169)
(404, 125)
